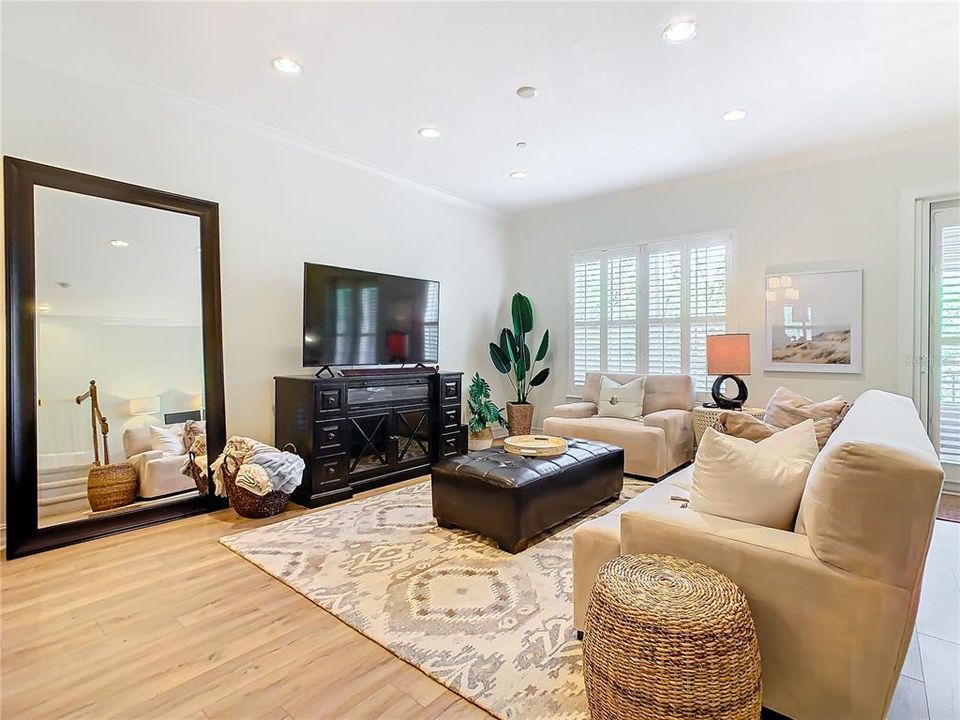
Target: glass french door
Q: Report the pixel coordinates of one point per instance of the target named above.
(943, 360)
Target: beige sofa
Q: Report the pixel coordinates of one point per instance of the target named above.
(835, 600)
(652, 448)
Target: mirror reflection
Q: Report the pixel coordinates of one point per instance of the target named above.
(119, 355)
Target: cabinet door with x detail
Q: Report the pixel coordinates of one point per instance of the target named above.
(412, 431)
(370, 439)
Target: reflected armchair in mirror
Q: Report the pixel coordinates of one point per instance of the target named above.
(120, 283)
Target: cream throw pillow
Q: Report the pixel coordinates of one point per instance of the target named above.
(169, 440)
(622, 401)
(759, 483)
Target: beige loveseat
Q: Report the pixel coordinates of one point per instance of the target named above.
(835, 601)
(651, 448)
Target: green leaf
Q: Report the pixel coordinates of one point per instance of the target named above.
(540, 377)
(544, 346)
(500, 360)
(525, 357)
(507, 344)
(522, 312)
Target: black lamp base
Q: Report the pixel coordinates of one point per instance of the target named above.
(722, 401)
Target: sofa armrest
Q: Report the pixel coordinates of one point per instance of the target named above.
(677, 426)
(828, 638)
(575, 410)
(140, 460)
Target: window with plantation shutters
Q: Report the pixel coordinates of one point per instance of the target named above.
(946, 332)
(708, 304)
(585, 340)
(664, 309)
(621, 314)
(649, 308)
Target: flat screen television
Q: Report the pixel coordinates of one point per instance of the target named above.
(355, 317)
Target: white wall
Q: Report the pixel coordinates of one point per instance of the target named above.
(127, 361)
(841, 214)
(281, 203)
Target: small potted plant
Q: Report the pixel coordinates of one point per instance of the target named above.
(484, 412)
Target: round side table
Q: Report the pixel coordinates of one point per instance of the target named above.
(704, 417)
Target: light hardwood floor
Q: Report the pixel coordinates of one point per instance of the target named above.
(166, 623)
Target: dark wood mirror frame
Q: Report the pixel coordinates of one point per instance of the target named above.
(20, 178)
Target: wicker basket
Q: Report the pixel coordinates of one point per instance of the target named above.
(111, 486)
(669, 638)
(199, 478)
(248, 504)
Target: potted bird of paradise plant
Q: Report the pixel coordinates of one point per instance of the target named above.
(512, 357)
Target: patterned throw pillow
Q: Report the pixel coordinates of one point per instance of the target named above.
(744, 425)
(622, 401)
(192, 429)
(787, 408)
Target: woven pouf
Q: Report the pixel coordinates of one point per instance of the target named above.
(669, 638)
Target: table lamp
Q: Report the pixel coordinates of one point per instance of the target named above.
(728, 357)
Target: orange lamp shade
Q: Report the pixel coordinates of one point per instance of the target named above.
(728, 354)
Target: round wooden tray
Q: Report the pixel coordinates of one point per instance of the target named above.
(535, 445)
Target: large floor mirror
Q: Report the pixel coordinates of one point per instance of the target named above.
(114, 355)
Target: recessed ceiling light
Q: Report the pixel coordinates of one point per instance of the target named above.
(735, 115)
(429, 132)
(44, 308)
(521, 144)
(680, 30)
(527, 92)
(286, 65)
(120, 243)
(518, 174)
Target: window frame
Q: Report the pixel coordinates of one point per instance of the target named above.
(641, 250)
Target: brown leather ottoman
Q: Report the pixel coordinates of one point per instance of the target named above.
(512, 498)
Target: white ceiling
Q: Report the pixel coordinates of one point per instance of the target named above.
(617, 106)
(154, 280)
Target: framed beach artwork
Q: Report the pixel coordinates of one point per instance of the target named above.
(813, 321)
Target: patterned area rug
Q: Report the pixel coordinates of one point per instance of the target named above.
(495, 628)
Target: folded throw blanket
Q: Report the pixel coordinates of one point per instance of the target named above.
(284, 469)
(257, 467)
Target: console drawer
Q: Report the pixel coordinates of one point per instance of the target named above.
(453, 443)
(329, 437)
(450, 390)
(449, 419)
(329, 400)
(329, 473)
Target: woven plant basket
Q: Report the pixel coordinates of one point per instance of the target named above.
(199, 478)
(519, 418)
(248, 504)
(669, 638)
(111, 486)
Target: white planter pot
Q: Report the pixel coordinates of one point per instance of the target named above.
(482, 440)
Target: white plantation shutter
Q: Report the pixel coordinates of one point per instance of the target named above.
(650, 308)
(949, 336)
(586, 281)
(621, 314)
(664, 309)
(708, 304)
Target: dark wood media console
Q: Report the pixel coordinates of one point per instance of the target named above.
(362, 431)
